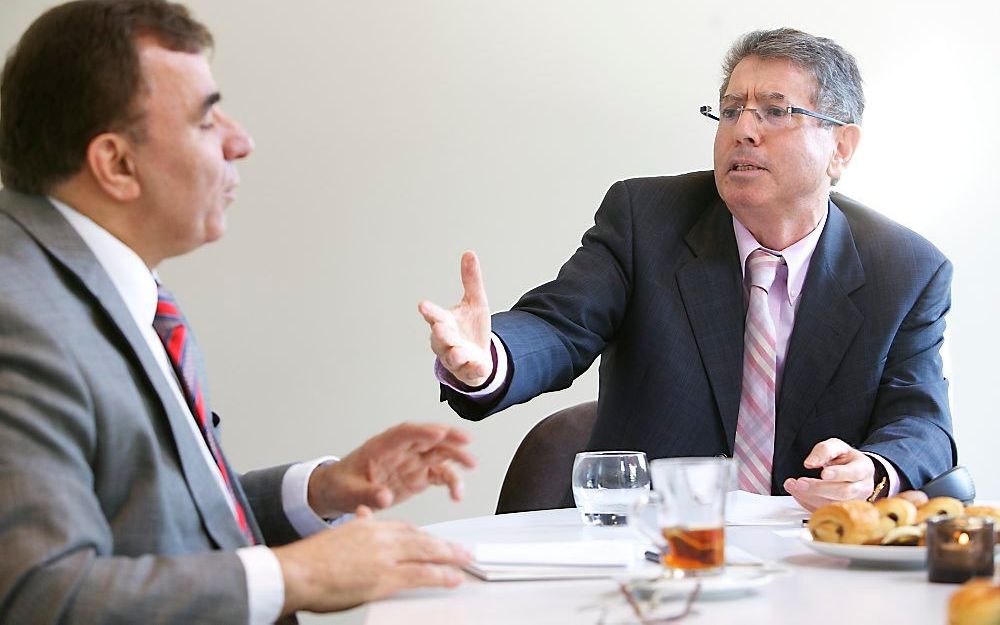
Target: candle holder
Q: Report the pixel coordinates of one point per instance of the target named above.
(959, 548)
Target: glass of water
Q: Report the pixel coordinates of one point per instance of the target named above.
(607, 483)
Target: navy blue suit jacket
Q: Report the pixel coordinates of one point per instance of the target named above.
(656, 290)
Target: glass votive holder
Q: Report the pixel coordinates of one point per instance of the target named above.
(959, 548)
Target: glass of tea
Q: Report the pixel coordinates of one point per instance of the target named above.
(689, 500)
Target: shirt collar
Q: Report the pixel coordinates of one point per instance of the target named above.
(134, 281)
(797, 255)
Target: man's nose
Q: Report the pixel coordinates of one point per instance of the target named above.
(747, 127)
(236, 142)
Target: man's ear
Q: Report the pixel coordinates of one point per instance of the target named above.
(847, 138)
(110, 160)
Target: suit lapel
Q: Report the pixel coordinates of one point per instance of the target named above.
(712, 291)
(825, 324)
(44, 223)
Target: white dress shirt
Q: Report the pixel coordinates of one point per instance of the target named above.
(137, 286)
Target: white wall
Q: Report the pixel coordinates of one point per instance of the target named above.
(391, 136)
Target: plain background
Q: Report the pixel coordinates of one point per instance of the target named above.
(391, 136)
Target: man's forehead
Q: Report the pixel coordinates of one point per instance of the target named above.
(769, 79)
(174, 68)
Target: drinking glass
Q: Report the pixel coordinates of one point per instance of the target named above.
(606, 484)
(689, 496)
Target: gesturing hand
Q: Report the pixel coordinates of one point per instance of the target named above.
(391, 467)
(460, 336)
(847, 474)
(362, 560)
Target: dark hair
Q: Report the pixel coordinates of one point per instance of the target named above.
(839, 93)
(75, 74)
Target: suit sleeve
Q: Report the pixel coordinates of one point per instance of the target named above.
(556, 331)
(59, 559)
(911, 422)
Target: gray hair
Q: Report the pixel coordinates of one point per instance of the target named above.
(838, 82)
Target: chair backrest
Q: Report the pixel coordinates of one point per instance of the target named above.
(539, 475)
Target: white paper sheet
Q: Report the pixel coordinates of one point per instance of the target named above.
(743, 508)
(566, 553)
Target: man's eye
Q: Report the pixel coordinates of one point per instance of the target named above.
(731, 112)
(775, 112)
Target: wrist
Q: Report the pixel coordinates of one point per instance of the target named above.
(296, 576)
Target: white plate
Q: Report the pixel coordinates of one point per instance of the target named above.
(869, 553)
(732, 581)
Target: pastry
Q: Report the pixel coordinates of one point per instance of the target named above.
(985, 511)
(852, 522)
(899, 511)
(905, 536)
(977, 602)
(944, 506)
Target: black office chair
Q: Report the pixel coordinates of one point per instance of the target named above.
(540, 473)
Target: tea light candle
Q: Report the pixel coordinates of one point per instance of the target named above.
(959, 548)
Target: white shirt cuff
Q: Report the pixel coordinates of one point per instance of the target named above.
(295, 499)
(265, 584)
(890, 471)
(499, 372)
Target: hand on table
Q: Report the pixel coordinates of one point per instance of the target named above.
(460, 336)
(363, 560)
(846, 474)
(391, 467)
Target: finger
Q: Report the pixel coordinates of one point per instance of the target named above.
(418, 437)
(363, 512)
(419, 546)
(433, 313)
(832, 491)
(445, 474)
(855, 468)
(444, 338)
(824, 452)
(468, 361)
(444, 452)
(478, 370)
(916, 497)
(414, 575)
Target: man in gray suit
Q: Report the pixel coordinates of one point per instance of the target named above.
(744, 312)
(117, 504)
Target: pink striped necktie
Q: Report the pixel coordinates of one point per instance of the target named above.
(173, 332)
(754, 449)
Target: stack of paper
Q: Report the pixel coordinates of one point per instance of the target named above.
(553, 560)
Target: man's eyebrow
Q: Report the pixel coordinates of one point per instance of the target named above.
(741, 97)
(209, 101)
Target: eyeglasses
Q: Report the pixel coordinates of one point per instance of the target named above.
(646, 603)
(772, 116)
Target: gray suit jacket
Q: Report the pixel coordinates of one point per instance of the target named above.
(108, 511)
(656, 291)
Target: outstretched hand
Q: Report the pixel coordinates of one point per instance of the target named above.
(391, 467)
(846, 474)
(460, 336)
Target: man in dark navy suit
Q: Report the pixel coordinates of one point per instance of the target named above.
(746, 311)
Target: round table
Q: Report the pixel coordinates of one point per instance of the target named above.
(814, 589)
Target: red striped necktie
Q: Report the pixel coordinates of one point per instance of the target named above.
(754, 449)
(170, 326)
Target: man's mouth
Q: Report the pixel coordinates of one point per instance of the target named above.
(745, 167)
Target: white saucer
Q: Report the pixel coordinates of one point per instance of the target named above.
(735, 580)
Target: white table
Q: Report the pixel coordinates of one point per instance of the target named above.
(817, 589)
